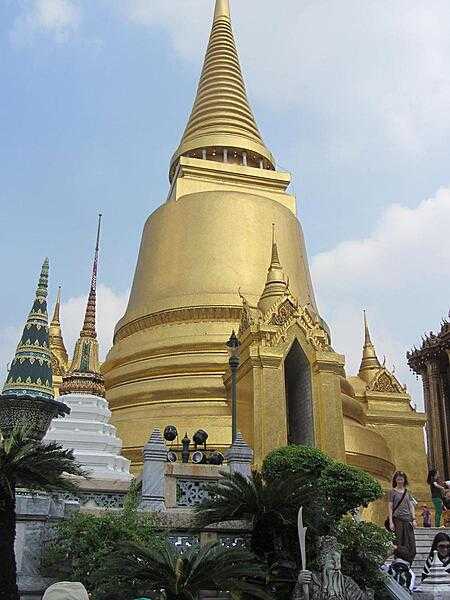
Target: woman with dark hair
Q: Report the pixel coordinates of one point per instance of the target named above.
(402, 516)
(441, 544)
(437, 491)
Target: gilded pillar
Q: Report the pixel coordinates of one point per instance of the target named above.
(434, 395)
(328, 413)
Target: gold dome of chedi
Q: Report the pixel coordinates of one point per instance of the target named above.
(169, 353)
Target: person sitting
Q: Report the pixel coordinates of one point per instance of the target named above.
(441, 544)
(66, 590)
(400, 569)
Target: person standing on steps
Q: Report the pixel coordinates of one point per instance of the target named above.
(402, 516)
(437, 492)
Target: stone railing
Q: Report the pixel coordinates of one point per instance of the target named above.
(168, 486)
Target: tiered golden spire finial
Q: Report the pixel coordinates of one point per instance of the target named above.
(369, 360)
(56, 340)
(221, 120)
(89, 329)
(276, 282)
(84, 375)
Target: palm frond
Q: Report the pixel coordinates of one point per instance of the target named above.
(35, 465)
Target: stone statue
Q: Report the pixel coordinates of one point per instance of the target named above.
(329, 583)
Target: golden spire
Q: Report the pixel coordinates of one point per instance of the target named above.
(369, 360)
(84, 375)
(276, 282)
(221, 118)
(56, 340)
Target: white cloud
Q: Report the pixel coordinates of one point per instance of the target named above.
(57, 18)
(111, 306)
(399, 274)
(373, 73)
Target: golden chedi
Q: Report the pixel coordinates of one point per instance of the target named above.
(60, 359)
(226, 251)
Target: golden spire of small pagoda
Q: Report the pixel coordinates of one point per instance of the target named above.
(369, 362)
(56, 340)
(84, 375)
(276, 281)
(221, 118)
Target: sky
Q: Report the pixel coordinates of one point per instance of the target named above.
(351, 97)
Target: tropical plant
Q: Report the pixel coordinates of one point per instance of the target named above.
(291, 477)
(303, 462)
(271, 508)
(346, 488)
(82, 544)
(34, 465)
(183, 576)
(366, 546)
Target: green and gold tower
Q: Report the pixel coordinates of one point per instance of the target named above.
(28, 395)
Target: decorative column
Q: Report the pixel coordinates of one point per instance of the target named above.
(240, 457)
(154, 472)
(435, 442)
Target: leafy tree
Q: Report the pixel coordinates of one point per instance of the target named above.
(33, 465)
(83, 544)
(292, 477)
(346, 488)
(366, 546)
(183, 576)
(304, 462)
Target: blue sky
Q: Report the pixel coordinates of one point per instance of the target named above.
(352, 98)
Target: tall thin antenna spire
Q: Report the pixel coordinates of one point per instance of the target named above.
(89, 329)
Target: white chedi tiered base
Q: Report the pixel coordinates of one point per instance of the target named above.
(93, 439)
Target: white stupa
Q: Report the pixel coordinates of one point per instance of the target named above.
(437, 585)
(87, 430)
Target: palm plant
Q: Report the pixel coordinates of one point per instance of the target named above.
(163, 570)
(271, 507)
(34, 465)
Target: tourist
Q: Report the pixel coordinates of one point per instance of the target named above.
(400, 568)
(426, 516)
(402, 517)
(441, 544)
(66, 590)
(437, 491)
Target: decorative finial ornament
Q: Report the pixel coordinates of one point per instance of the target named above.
(84, 375)
(222, 9)
(276, 281)
(28, 395)
(89, 318)
(221, 117)
(369, 360)
(56, 342)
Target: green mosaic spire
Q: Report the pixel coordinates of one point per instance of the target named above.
(30, 373)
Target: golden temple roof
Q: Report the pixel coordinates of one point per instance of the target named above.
(221, 116)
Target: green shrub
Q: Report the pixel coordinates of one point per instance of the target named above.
(305, 462)
(366, 547)
(346, 488)
(83, 544)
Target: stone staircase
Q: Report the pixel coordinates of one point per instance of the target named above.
(424, 539)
